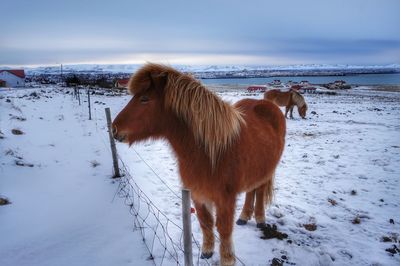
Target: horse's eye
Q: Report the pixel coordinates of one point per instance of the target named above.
(144, 99)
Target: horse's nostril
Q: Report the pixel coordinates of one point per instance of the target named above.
(120, 138)
(114, 131)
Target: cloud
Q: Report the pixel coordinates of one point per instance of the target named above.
(45, 32)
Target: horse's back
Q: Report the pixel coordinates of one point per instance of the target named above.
(271, 94)
(278, 97)
(263, 114)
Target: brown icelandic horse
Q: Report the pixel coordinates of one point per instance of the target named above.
(288, 99)
(221, 149)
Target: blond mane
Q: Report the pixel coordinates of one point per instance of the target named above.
(298, 99)
(214, 123)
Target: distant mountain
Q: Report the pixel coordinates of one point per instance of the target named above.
(130, 68)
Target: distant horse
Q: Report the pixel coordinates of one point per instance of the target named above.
(221, 149)
(288, 99)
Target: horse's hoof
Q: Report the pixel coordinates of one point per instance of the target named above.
(241, 222)
(206, 255)
(261, 225)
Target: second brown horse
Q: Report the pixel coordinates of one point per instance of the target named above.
(288, 99)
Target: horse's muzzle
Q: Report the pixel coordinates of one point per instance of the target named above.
(118, 136)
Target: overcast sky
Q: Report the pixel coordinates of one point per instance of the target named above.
(200, 32)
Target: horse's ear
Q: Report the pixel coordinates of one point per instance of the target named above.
(159, 80)
(136, 86)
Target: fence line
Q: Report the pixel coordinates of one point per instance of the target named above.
(155, 173)
(162, 236)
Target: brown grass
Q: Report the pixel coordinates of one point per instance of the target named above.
(333, 202)
(310, 226)
(356, 220)
(94, 163)
(4, 201)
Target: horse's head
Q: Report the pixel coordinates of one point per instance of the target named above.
(143, 116)
(303, 111)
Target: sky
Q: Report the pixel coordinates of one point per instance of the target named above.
(48, 32)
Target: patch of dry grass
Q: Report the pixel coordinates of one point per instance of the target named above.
(356, 220)
(310, 226)
(333, 202)
(16, 131)
(94, 163)
(4, 201)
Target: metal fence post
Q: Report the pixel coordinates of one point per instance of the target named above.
(112, 143)
(187, 227)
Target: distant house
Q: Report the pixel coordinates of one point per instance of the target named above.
(276, 82)
(304, 83)
(339, 82)
(12, 78)
(338, 85)
(309, 89)
(122, 83)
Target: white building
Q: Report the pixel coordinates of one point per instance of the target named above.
(12, 78)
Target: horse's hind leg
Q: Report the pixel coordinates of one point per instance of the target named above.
(206, 219)
(259, 212)
(248, 208)
(225, 212)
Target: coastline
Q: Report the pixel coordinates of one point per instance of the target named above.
(243, 87)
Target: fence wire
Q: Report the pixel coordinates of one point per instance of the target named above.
(162, 236)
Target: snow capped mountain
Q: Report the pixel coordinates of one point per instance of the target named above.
(129, 68)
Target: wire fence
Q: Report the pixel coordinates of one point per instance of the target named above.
(162, 236)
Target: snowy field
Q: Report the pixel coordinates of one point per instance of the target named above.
(336, 196)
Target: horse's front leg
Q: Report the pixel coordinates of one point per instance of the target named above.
(206, 219)
(291, 111)
(286, 111)
(248, 208)
(225, 214)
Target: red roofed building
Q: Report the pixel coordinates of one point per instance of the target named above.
(12, 77)
(122, 83)
(259, 88)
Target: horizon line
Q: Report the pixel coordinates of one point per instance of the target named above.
(396, 65)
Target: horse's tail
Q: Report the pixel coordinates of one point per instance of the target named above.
(269, 189)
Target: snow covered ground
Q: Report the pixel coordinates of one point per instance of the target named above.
(62, 209)
(337, 186)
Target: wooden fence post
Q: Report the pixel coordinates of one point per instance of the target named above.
(90, 111)
(79, 96)
(187, 227)
(112, 143)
